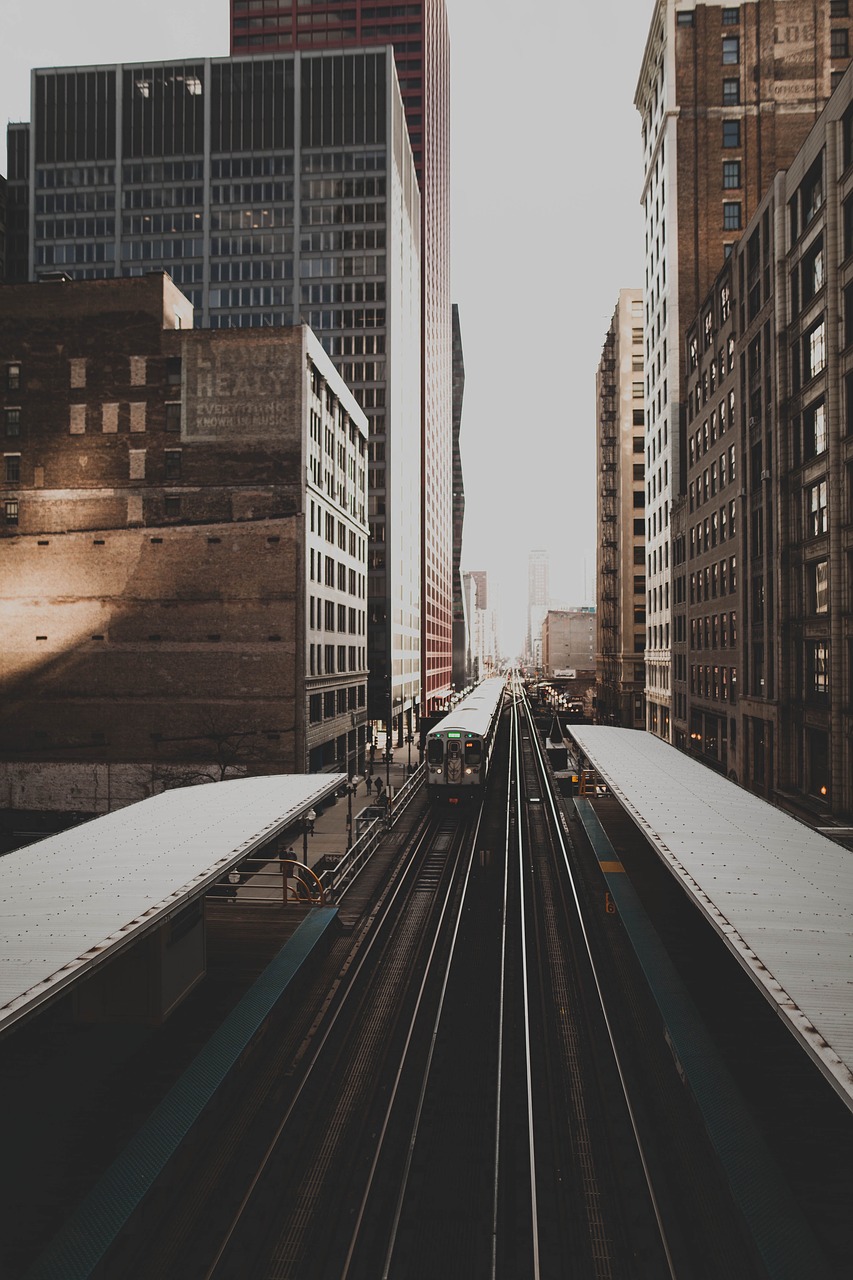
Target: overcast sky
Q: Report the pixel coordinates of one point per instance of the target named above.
(546, 172)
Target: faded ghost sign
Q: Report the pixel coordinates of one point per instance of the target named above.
(243, 389)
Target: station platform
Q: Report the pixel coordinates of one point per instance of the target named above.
(778, 894)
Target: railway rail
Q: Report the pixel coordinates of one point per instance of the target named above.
(474, 1095)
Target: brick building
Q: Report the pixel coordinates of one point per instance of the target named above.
(184, 548)
(727, 95)
(778, 326)
(269, 206)
(420, 38)
(621, 498)
(568, 641)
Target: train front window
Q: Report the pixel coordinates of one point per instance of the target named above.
(474, 753)
(435, 751)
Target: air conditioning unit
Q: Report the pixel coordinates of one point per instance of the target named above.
(752, 421)
(765, 475)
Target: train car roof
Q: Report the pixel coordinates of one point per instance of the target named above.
(475, 712)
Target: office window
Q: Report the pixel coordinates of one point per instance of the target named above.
(814, 350)
(173, 416)
(818, 574)
(816, 509)
(731, 93)
(13, 468)
(817, 667)
(731, 215)
(839, 42)
(731, 17)
(814, 429)
(12, 418)
(839, 8)
(731, 50)
(11, 510)
(172, 458)
(731, 175)
(731, 133)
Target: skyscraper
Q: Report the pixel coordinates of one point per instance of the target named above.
(727, 95)
(419, 35)
(274, 190)
(538, 595)
(621, 569)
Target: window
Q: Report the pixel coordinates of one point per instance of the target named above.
(812, 270)
(814, 350)
(685, 18)
(814, 429)
(172, 505)
(817, 664)
(816, 509)
(12, 419)
(731, 17)
(315, 708)
(731, 215)
(13, 468)
(819, 587)
(731, 175)
(839, 8)
(172, 464)
(839, 42)
(13, 377)
(11, 510)
(173, 371)
(173, 416)
(731, 93)
(731, 50)
(731, 133)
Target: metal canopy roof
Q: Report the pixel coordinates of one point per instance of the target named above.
(779, 894)
(76, 898)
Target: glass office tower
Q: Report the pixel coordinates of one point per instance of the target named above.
(420, 38)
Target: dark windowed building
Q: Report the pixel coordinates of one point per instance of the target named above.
(419, 35)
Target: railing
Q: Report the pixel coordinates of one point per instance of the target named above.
(336, 880)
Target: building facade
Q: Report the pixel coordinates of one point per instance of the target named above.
(620, 572)
(420, 38)
(274, 190)
(184, 546)
(538, 599)
(727, 95)
(459, 641)
(770, 644)
(480, 628)
(568, 641)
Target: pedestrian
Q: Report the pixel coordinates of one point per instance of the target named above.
(378, 785)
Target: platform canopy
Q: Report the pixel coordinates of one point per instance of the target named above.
(74, 899)
(777, 892)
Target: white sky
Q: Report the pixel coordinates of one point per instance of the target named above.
(546, 173)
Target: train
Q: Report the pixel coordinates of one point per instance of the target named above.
(459, 748)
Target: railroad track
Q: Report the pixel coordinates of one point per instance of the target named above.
(466, 1104)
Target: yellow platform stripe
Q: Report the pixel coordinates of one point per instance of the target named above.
(611, 866)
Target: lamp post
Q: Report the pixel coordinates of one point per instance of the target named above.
(410, 737)
(352, 787)
(307, 829)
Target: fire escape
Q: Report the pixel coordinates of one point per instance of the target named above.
(609, 550)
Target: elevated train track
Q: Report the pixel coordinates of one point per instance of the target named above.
(482, 1088)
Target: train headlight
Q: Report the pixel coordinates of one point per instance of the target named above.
(469, 771)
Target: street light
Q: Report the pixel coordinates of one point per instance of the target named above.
(410, 737)
(307, 829)
(351, 787)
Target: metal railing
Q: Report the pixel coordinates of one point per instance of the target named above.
(336, 880)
